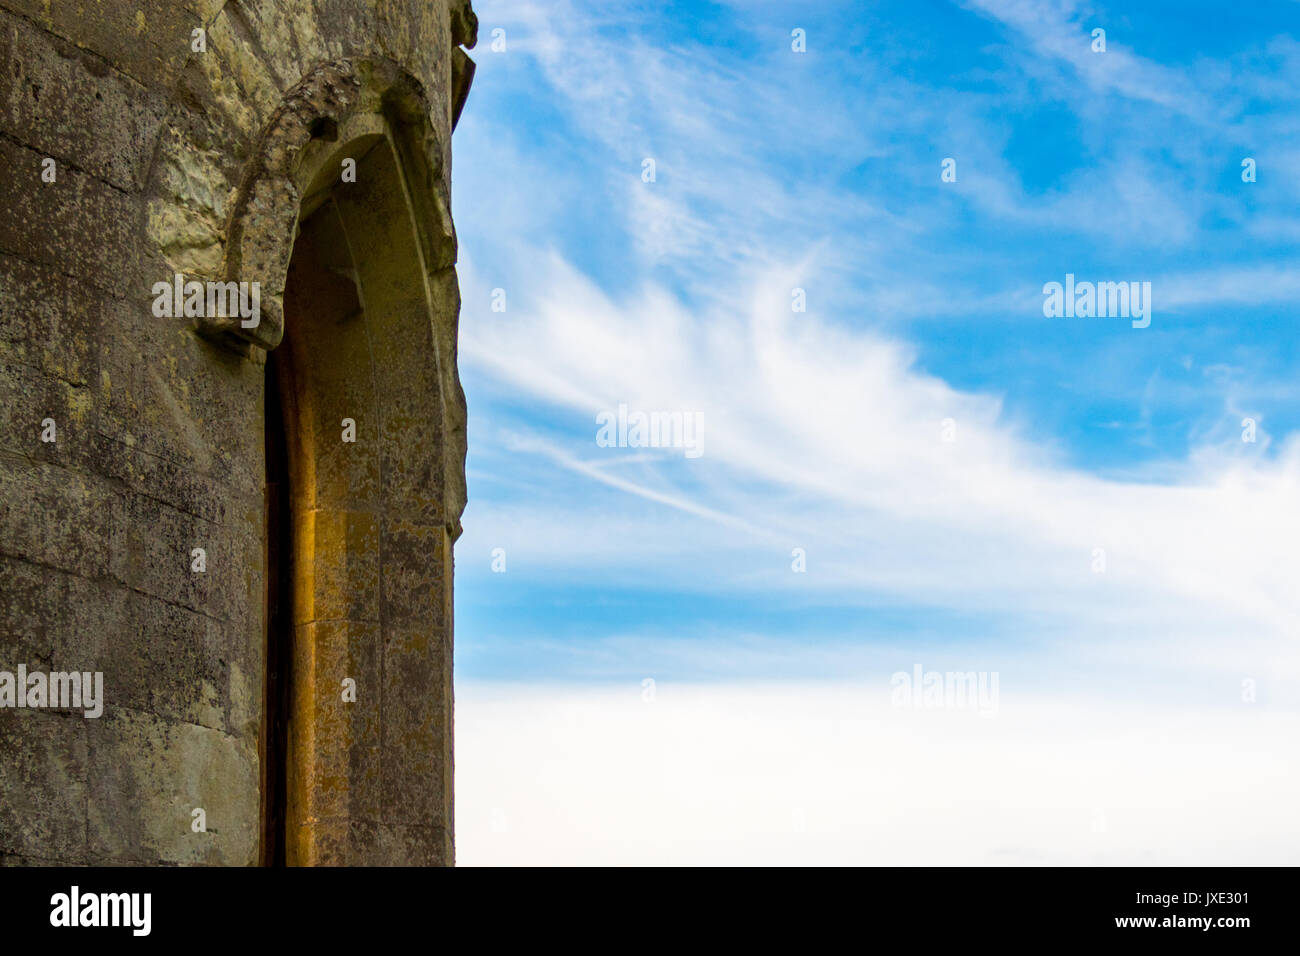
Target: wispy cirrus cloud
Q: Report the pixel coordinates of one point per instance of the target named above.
(823, 428)
(1096, 517)
(847, 435)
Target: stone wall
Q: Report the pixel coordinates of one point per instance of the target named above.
(140, 139)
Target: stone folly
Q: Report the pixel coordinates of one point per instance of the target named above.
(237, 507)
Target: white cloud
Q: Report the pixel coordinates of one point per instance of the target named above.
(1062, 30)
(830, 439)
(832, 774)
(821, 432)
(1259, 285)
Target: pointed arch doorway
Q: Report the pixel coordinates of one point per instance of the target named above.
(364, 425)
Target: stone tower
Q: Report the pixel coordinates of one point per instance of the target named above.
(231, 429)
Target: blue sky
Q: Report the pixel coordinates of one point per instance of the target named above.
(820, 170)
(1123, 165)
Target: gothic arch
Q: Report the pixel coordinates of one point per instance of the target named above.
(359, 299)
(337, 101)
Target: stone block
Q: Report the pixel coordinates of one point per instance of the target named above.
(43, 813)
(67, 103)
(335, 744)
(54, 516)
(147, 776)
(416, 754)
(416, 575)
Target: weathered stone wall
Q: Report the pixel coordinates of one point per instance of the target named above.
(159, 153)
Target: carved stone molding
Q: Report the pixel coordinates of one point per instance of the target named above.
(261, 224)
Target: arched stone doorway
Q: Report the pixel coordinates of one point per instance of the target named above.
(359, 329)
(188, 138)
